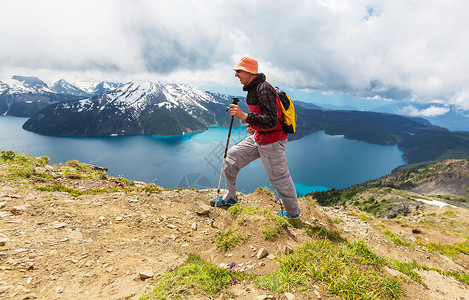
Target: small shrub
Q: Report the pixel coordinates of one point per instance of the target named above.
(79, 166)
(228, 238)
(8, 155)
(43, 160)
(125, 182)
(270, 232)
(265, 190)
(235, 210)
(152, 189)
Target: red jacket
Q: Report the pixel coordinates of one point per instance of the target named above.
(264, 111)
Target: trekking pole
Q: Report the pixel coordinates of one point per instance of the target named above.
(235, 102)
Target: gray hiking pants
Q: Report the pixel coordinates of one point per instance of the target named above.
(275, 163)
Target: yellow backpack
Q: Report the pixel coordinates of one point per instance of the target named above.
(288, 120)
(288, 112)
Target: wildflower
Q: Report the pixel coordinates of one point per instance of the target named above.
(233, 280)
(232, 265)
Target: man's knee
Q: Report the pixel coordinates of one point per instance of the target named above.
(231, 167)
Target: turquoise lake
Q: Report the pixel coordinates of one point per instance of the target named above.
(317, 161)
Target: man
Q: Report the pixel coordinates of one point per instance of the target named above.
(267, 139)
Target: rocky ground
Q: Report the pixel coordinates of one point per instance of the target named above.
(56, 245)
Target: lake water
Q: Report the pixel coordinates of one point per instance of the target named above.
(317, 162)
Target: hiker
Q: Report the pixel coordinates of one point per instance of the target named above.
(267, 139)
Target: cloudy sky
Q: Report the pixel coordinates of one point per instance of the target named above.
(415, 50)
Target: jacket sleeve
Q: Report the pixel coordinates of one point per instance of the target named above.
(267, 99)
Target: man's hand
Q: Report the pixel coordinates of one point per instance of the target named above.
(250, 130)
(236, 112)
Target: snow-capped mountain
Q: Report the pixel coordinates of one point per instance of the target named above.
(84, 89)
(135, 108)
(31, 82)
(65, 87)
(28, 84)
(25, 96)
(104, 87)
(3, 87)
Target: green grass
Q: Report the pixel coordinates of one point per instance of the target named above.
(152, 189)
(265, 190)
(74, 168)
(348, 270)
(229, 238)
(75, 192)
(450, 250)
(336, 220)
(240, 210)
(271, 230)
(345, 270)
(407, 269)
(195, 276)
(360, 214)
(396, 239)
(27, 169)
(462, 277)
(7, 155)
(22, 167)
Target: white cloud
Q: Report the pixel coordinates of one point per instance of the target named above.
(461, 98)
(394, 49)
(431, 111)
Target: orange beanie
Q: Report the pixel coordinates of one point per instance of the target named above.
(247, 64)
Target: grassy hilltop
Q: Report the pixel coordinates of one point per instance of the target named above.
(70, 231)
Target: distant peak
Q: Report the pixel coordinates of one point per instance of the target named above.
(145, 84)
(30, 81)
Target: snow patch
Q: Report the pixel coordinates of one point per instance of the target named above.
(434, 202)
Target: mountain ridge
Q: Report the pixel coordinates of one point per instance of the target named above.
(135, 108)
(25, 96)
(70, 231)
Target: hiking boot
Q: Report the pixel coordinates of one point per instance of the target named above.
(221, 202)
(285, 214)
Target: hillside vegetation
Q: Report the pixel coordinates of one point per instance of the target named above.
(446, 181)
(69, 231)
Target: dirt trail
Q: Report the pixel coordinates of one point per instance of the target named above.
(54, 245)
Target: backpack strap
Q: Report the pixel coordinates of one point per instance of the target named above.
(258, 86)
(279, 120)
